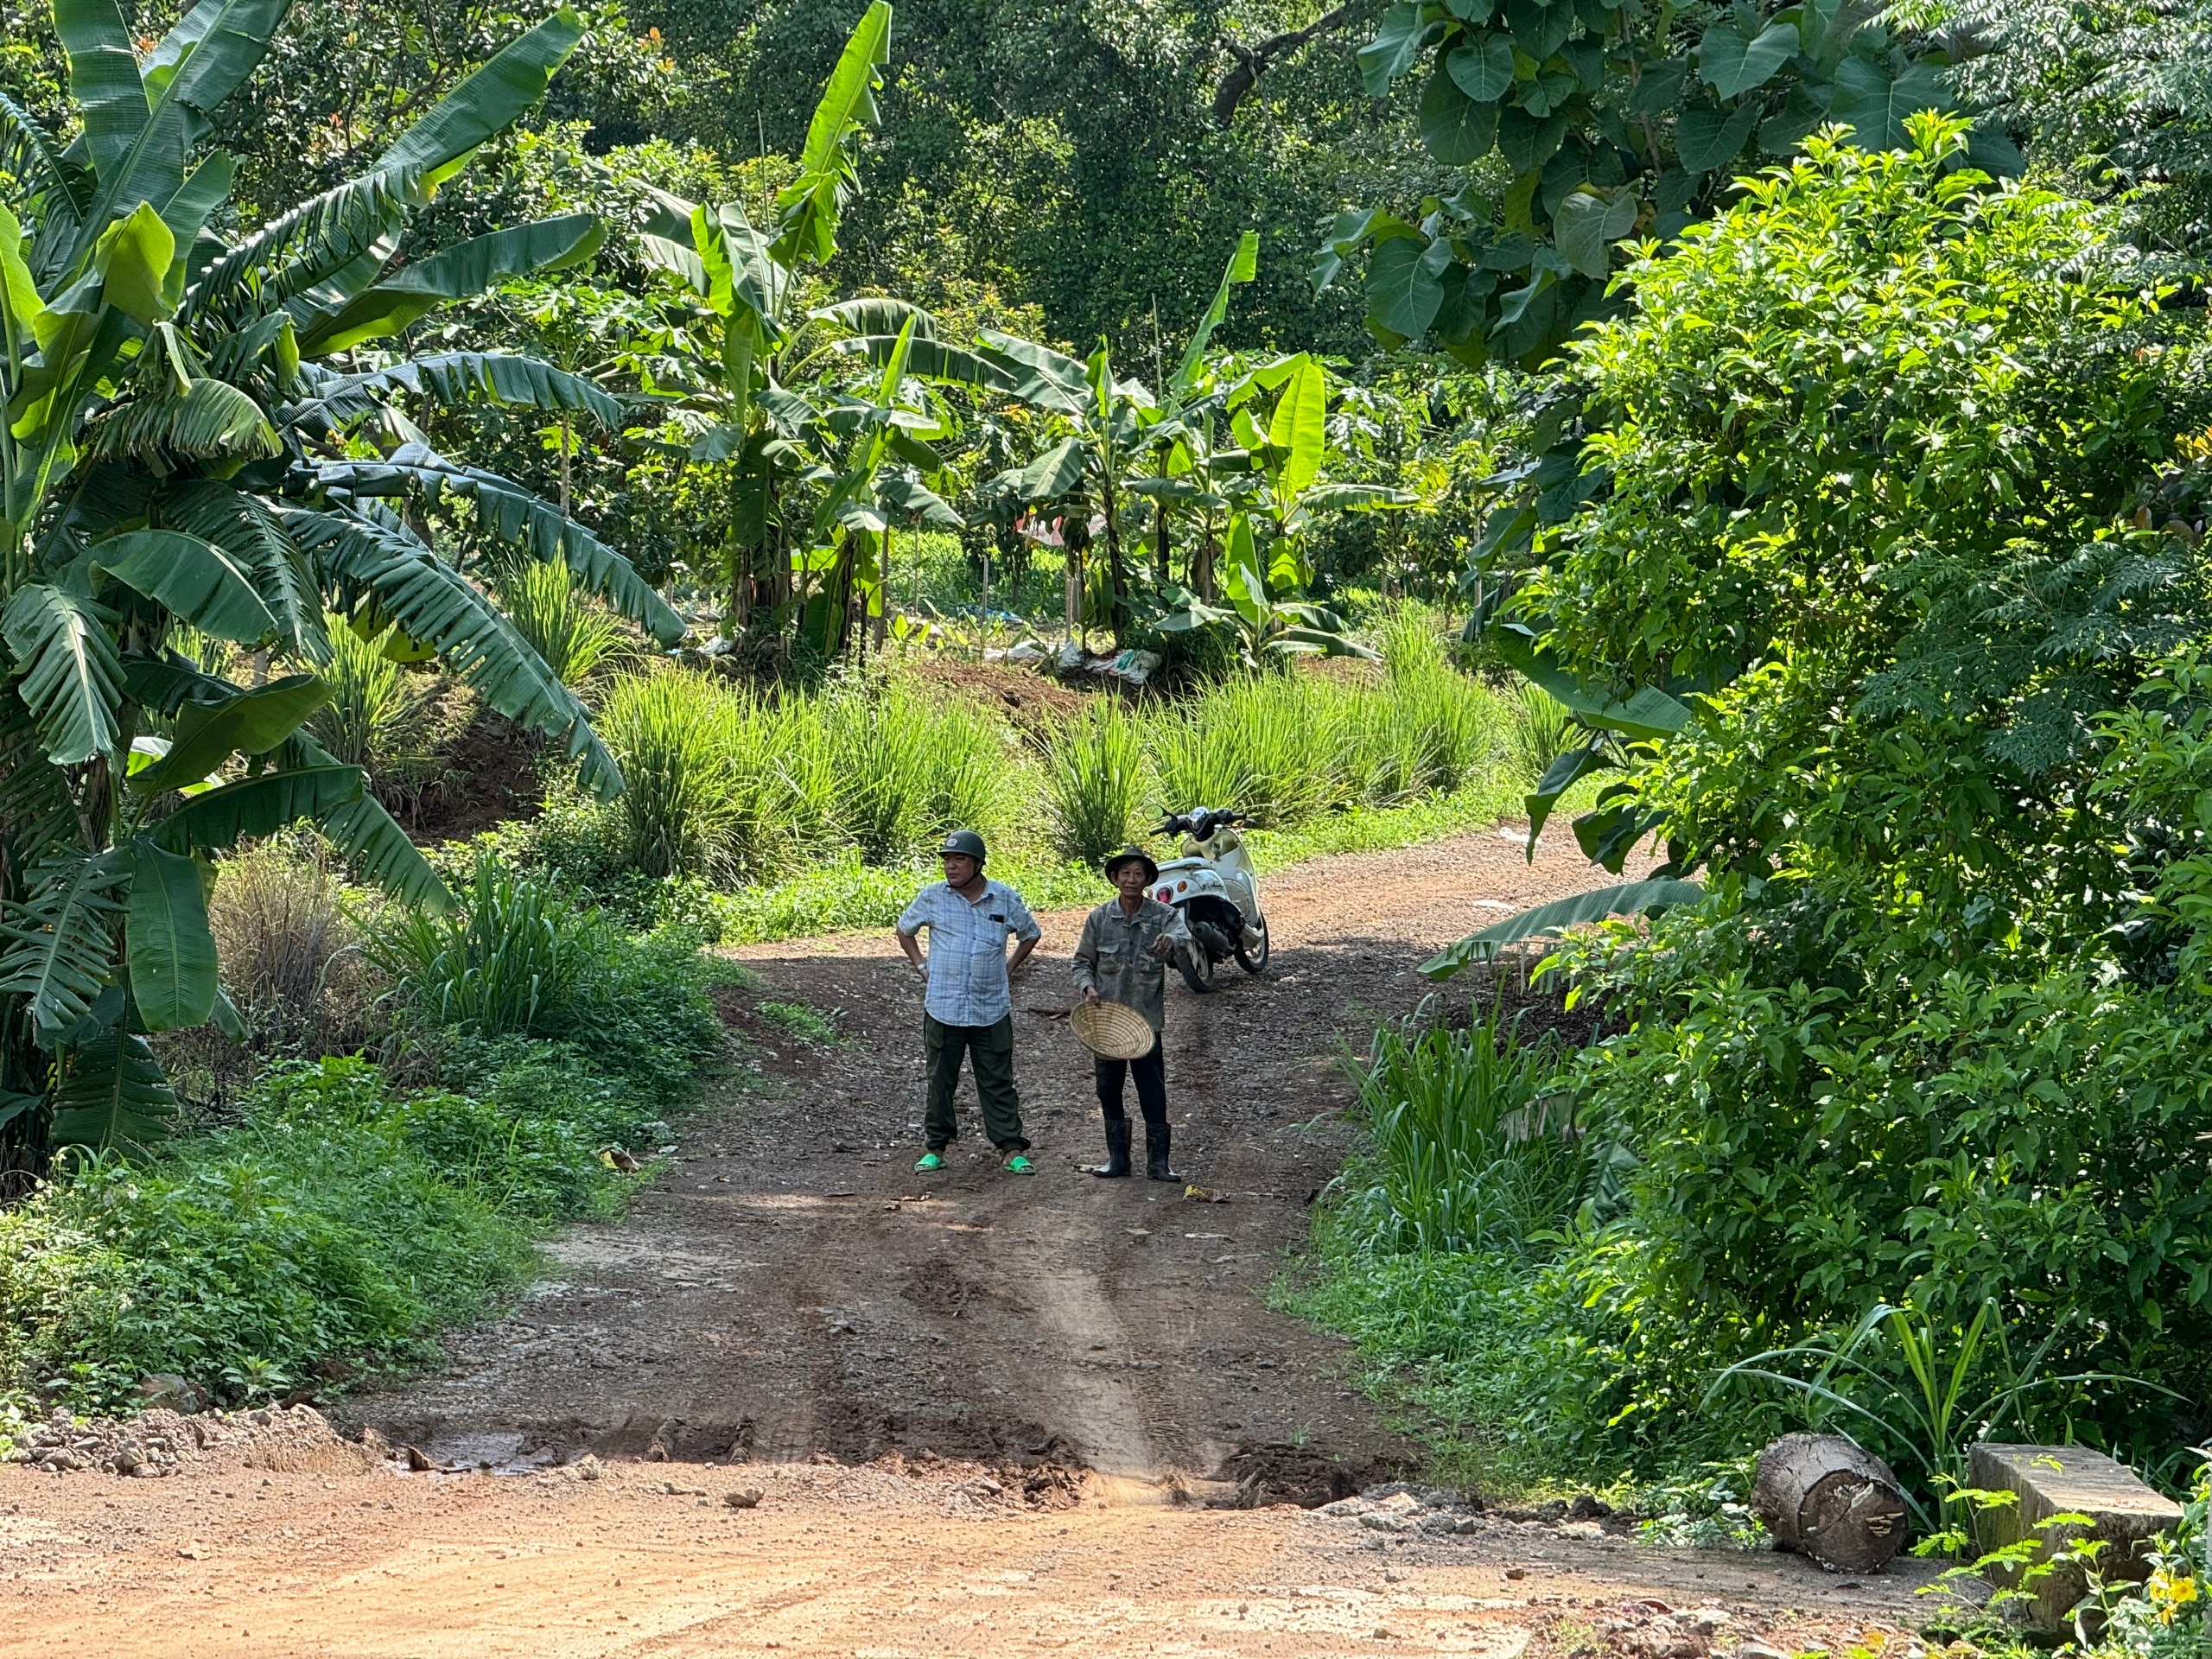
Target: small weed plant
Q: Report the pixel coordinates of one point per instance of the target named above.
(810, 1024)
(1922, 1393)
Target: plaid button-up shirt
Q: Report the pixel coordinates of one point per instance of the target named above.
(967, 959)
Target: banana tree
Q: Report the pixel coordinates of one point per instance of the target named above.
(185, 448)
(886, 463)
(1186, 456)
(1266, 628)
(745, 284)
(1124, 443)
(1104, 418)
(1287, 459)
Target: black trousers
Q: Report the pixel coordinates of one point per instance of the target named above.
(1151, 1072)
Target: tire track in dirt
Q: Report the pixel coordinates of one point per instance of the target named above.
(789, 1288)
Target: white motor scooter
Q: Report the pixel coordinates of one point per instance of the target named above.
(1213, 884)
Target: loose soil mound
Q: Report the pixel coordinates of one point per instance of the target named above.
(1031, 701)
(162, 1443)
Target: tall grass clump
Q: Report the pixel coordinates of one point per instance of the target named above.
(375, 719)
(907, 766)
(506, 961)
(1474, 1145)
(1278, 745)
(217, 657)
(1095, 780)
(1410, 638)
(550, 609)
(1437, 729)
(293, 961)
(679, 738)
(1541, 730)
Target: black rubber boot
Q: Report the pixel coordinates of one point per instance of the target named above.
(1116, 1166)
(1155, 1153)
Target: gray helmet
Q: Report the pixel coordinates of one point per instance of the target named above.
(965, 841)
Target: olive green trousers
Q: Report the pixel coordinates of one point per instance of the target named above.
(989, 1050)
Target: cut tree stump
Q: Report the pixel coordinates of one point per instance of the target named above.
(1831, 1499)
(2066, 1480)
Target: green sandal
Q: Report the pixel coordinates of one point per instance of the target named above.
(928, 1161)
(1018, 1164)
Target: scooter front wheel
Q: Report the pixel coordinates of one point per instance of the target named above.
(1196, 964)
(1252, 958)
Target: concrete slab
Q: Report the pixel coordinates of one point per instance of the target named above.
(2121, 1511)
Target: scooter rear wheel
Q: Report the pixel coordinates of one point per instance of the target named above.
(1197, 966)
(1253, 958)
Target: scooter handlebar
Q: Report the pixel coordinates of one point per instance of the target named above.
(1201, 822)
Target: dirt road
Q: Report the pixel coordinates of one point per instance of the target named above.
(979, 1407)
(792, 1287)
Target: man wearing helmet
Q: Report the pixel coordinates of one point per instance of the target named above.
(968, 1008)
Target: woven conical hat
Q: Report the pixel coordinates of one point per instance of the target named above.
(1114, 1029)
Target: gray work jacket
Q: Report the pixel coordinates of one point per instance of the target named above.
(1113, 958)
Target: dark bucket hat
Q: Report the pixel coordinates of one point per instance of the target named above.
(1151, 869)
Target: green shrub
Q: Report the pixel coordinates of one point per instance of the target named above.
(341, 1220)
(640, 1012)
(508, 959)
(1095, 777)
(1475, 1143)
(248, 1256)
(841, 893)
(574, 635)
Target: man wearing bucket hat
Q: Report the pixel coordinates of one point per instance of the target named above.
(968, 1008)
(1123, 958)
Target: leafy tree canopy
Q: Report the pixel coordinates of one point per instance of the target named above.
(1066, 155)
(1577, 128)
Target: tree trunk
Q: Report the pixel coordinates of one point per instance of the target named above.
(1825, 1496)
(1072, 589)
(740, 614)
(1202, 565)
(838, 591)
(1117, 572)
(1159, 542)
(882, 623)
(566, 440)
(779, 554)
